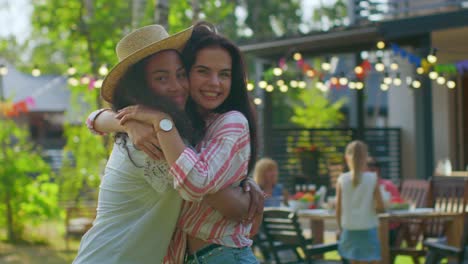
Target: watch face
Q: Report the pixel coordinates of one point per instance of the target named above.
(165, 124)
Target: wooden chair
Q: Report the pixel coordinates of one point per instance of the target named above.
(449, 194)
(415, 192)
(78, 220)
(283, 232)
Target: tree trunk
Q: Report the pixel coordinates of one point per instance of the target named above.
(161, 13)
(196, 11)
(9, 215)
(138, 10)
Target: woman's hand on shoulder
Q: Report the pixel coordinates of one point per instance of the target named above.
(139, 113)
(144, 138)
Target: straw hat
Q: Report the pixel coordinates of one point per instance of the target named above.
(136, 46)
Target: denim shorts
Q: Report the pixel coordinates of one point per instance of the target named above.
(224, 255)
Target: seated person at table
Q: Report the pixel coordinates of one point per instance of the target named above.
(266, 176)
(389, 186)
(358, 201)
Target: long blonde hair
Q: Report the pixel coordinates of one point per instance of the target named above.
(356, 153)
(261, 167)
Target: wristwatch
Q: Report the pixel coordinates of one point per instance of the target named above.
(165, 125)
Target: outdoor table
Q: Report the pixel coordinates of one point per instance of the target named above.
(454, 228)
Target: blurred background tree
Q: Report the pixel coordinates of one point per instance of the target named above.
(27, 190)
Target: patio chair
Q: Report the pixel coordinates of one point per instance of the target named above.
(448, 194)
(78, 220)
(409, 232)
(284, 232)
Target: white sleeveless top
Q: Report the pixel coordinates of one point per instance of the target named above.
(136, 214)
(358, 206)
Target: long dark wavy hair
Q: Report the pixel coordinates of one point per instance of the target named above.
(204, 36)
(133, 89)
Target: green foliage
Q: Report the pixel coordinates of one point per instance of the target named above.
(27, 190)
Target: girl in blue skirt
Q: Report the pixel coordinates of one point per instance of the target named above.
(358, 202)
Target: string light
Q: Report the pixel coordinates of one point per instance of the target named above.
(334, 81)
(320, 85)
(269, 88)
(85, 80)
(397, 81)
(394, 66)
(387, 79)
(441, 80)
(420, 70)
(352, 85)
(380, 45)
(262, 84)
(409, 80)
(324, 88)
(380, 67)
(257, 101)
(293, 83)
(283, 88)
(433, 75)
(71, 70)
(3, 70)
(384, 86)
(432, 58)
(358, 70)
(359, 85)
(98, 83)
(416, 84)
(302, 84)
(310, 73)
(250, 87)
(277, 71)
(297, 56)
(103, 71)
(451, 84)
(326, 66)
(343, 81)
(36, 72)
(73, 81)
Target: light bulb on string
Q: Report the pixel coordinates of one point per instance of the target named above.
(269, 88)
(3, 70)
(85, 80)
(310, 73)
(420, 70)
(384, 87)
(103, 71)
(277, 71)
(441, 80)
(416, 84)
(352, 85)
(35, 71)
(98, 83)
(451, 84)
(250, 86)
(280, 82)
(359, 85)
(358, 70)
(394, 66)
(326, 66)
(387, 79)
(343, 80)
(432, 58)
(397, 81)
(258, 101)
(379, 66)
(302, 84)
(71, 70)
(297, 56)
(433, 75)
(262, 84)
(319, 85)
(334, 81)
(380, 45)
(73, 81)
(293, 83)
(283, 88)
(324, 88)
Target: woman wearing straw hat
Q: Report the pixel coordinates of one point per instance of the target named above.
(137, 206)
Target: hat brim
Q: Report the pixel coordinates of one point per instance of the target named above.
(175, 42)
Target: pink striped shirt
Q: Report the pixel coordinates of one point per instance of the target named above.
(220, 161)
